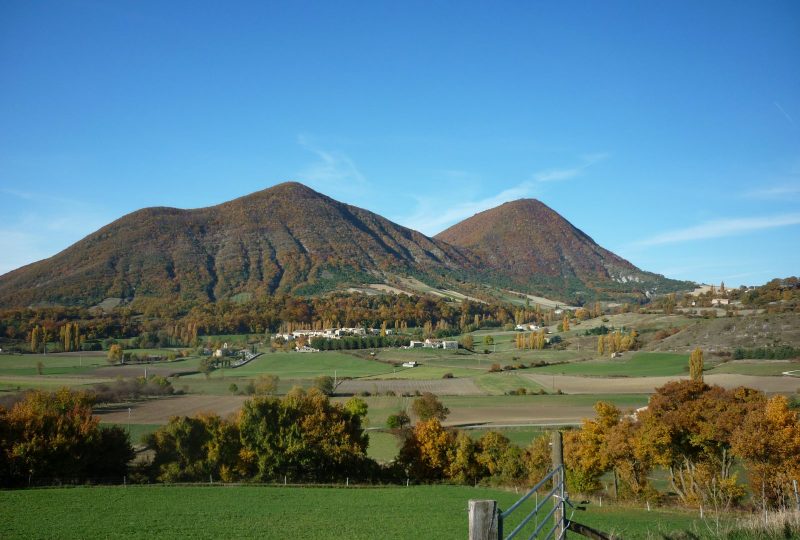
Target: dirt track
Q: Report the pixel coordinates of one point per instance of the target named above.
(646, 385)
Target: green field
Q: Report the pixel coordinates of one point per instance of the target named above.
(638, 364)
(136, 431)
(383, 446)
(294, 365)
(620, 400)
(756, 367)
(501, 383)
(52, 364)
(284, 512)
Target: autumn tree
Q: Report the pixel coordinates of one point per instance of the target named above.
(428, 406)
(36, 338)
(114, 353)
(629, 459)
(303, 436)
(541, 340)
(182, 449)
(398, 420)
(537, 459)
(769, 442)
(696, 365)
(584, 450)
(688, 429)
(466, 342)
(266, 385)
(426, 452)
(601, 345)
(357, 407)
(464, 467)
(54, 437)
(324, 384)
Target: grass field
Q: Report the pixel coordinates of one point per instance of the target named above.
(501, 383)
(295, 365)
(383, 446)
(639, 364)
(283, 512)
(756, 367)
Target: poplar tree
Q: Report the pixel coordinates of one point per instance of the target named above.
(67, 335)
(696, 365)
(36, 338)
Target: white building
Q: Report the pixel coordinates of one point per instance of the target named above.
(528, 326)
(450, 345)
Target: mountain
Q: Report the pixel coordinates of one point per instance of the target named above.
(291, 239)
(287, 238)
(537, 249)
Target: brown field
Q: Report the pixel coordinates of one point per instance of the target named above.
(520, 413)
(159, 411)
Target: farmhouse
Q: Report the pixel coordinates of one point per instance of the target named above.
(527, 326)
(416, 344)
(412, 363)
(451, 345)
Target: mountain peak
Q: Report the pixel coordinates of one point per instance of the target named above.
(535, 246)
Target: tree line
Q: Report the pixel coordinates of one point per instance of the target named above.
(169, 325)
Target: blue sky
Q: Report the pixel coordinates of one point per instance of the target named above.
(669, 132)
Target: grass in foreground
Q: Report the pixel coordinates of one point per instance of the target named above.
(281, 512)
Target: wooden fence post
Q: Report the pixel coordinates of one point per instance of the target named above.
(483, 520)
(558, 483)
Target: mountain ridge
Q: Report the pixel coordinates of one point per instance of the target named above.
(287, 238)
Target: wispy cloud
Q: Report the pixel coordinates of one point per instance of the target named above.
(38, 235)
(332, 170)
(37, 197)
(555, 175)
(777, 192)
(720, 228)
(432, 217)
(784, 113)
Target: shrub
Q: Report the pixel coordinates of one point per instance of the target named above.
(398, 420)
(428, 406)
(447, 375)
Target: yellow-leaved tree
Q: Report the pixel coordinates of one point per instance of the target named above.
(696, 365)
(769, 442)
